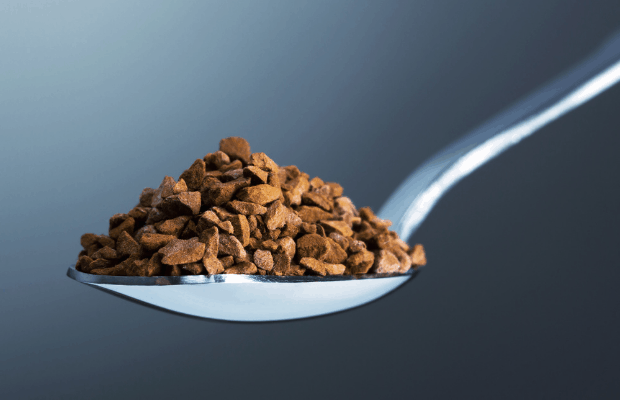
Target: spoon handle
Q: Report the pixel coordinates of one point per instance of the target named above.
(415, 197)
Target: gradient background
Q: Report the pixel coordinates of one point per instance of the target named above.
(99, 99)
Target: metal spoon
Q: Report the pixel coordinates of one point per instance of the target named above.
(273, 298)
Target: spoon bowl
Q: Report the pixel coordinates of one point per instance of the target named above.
(249, 298)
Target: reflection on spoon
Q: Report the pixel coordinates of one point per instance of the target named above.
(274, 298)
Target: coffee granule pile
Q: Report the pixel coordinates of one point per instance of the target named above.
(237, 212)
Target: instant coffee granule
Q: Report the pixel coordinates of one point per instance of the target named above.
(238, 212)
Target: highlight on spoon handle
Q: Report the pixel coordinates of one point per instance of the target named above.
(415, 197)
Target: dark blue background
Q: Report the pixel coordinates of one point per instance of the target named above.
(99, 99)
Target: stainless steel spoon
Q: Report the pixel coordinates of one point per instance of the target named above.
(273, 298)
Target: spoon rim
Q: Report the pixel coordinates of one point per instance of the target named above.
(83, 277)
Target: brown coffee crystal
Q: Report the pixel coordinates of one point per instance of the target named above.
(238, 212)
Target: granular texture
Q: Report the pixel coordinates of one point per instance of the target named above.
(238, 212)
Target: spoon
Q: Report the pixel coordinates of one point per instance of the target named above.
(273, 298)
